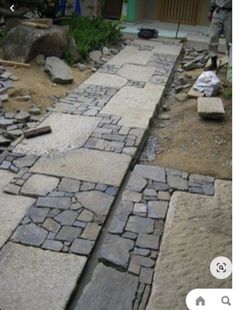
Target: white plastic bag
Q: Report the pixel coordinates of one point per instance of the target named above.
(207, 83)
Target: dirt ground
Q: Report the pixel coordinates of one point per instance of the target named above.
(192, 144)
(35, 82)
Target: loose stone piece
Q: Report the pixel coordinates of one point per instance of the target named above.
(210, 108)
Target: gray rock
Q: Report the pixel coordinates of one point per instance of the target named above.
(30, 234)
(163, 117)
(201, 179)
(87, 186)
(131, 196)
(49, 42)
(115, 251)
(22, 116)
(140, 225)
(52, 245)
(154, 173)
(208, 189)
(136, 183)
(142, 252)
(72, 49)
(148, 242)
(177, 183)
(82, 247)
(69, 185)
(4, 98)
(116, 226)
(35, 111)
(181, 97)
(51, 225)
(37, 215)
(25, 161)
(105, 51)
(81, 66)
(146, 276)
(107, 282)
(91, 231)
(211, 108)
(40, 60)
(66, 217)
(130, 235)
(157, 209)
(4, 123)
(95, 56)
(58, 70)
(68, 233)
(54, 202)
(96, 201)
(124, 210)
(86, 216)
(142, 261)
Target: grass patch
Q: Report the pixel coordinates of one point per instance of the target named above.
(93, 33)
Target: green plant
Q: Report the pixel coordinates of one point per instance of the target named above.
(93, 33)
(3, 34)
(228, 93)
(68, 57)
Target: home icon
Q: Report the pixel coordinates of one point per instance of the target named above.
(200, 301)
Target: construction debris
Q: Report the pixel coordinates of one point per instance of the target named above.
(211, 108)
(31, 133)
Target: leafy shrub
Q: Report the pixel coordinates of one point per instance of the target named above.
(93, 33)
(3, 34)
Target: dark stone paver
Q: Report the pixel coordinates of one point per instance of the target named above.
(108, 289)
(82, 246)
(139, 224)
(30, 234)
(68, 233)
(54, 202)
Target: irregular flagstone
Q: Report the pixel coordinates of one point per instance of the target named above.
(136, 72)
(69, 185)
(54, 202)
(96, 201)
(82, 246)
(115, 250)
(30, 234)
(157, 209)
(131, 196)
(105, 79)
(39, 185)
(61, 139)
(136, 106)
(12, 208)
(26, 161)
(136, 183)
(154, 173)
(177, 182)
(108, 289)
(87, 165)
(140, 225)
(148, 241)
(39, 273)
(198, 229)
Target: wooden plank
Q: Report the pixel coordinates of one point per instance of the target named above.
(31, 133)
(14, 63)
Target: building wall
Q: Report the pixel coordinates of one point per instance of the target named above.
(147, 9)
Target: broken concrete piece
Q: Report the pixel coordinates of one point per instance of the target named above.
(210, 108)
(58, 70)
(194, 94)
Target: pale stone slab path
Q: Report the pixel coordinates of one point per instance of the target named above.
(12, 209)
(68, 132)
(34, 279)
(135, 105)
(97, 130)
(88, 165)
(198, 229)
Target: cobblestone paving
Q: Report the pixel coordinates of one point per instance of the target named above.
(75, 185)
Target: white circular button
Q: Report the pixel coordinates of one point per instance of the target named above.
(221, 267)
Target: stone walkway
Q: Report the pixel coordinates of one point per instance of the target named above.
(65, 183)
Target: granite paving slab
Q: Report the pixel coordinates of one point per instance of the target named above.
(198, 229)
(136, 72)
(12, 208)
(88, 165)
(133, 55)
(105, 79)
(61, 139)
(37, 279)
(136, 106)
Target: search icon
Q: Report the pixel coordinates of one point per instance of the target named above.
(225, 300)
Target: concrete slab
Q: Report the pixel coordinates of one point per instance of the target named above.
(136, 72)
(104, 79)
(86, 165)
(132, 55)
(167, 49)
(198, 229)
(12, 209)
(135, 105)
(210, 108)
(39, 185)
(35, 279)
(61, 139)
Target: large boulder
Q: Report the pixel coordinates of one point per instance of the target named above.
(24, 43)
(58, 70)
